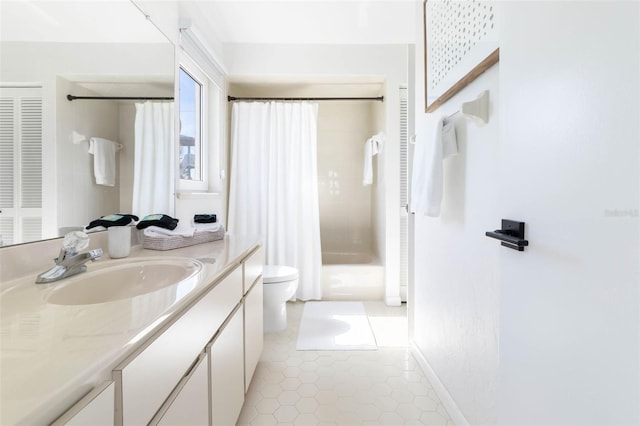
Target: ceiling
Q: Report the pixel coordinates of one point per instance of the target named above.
(333, 22)
(305, 21)
(89, 21)
(229, 21)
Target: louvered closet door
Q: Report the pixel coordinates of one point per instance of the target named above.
(20, 164)
(404, 193)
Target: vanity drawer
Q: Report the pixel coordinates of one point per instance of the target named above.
(145, 381)
(95, 408)
(253, 268)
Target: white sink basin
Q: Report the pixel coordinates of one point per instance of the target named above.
(122, 281)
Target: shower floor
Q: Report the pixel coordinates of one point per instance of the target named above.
(353, 281)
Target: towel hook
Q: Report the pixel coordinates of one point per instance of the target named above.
(78, 138)
(478, 108)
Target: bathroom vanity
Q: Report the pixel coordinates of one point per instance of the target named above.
(178, 346)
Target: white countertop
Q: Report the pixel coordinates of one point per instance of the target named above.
(52, 355)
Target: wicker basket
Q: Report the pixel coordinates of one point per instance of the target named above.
(179, 241)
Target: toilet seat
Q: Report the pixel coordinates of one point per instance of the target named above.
(277, 273)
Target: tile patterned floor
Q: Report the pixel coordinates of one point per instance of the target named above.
(381, 387)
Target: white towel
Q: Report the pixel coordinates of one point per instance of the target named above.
(206, 227)
(156, 231)
(372, 147)
(94, 229)
(104, 160)
(426, 180)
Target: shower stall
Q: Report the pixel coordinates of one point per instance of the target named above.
(351, 230)
(349, 226)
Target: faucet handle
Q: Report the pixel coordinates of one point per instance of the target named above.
(96, 254)
(75, 242)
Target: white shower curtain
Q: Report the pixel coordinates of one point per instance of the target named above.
(274, 185)
(154, 166)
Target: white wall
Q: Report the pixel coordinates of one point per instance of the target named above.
(345, 204)
(456, 294)
(378, 212)
(550, 335)
(314, 61)
(126, 157)
(80, 199)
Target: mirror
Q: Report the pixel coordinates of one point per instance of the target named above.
(49, 49)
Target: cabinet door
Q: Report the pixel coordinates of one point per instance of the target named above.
(253, 331)
(252, 268)
(227, 372)
(191, 405)
(96, 408)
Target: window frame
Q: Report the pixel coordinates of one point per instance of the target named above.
(200, 77)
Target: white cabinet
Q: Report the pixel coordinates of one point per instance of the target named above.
(196, 369)
(145, 380)
(95, 408)
(226, 363)
(191, 404)
(253, 330)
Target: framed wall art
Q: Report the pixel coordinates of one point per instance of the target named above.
(461, 42)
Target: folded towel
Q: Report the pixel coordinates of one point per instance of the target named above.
(112, 220)
(204, 218)
(426, 180)
(206, 227)
(166, 242)
(104, 160)
(156, 231)
(159, 220)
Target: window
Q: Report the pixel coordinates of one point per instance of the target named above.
(190, 127)
(201, 152)
(192, 147)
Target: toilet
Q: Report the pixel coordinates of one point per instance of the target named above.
(280, 284)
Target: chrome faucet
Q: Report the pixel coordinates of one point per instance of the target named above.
(69, 262)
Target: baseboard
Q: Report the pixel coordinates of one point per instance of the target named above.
(447, 400)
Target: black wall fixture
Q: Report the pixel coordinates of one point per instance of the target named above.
(511, 234)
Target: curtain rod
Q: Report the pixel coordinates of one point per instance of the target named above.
(119, 98)
(233, 98)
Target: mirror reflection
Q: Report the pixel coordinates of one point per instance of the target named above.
(50, 182)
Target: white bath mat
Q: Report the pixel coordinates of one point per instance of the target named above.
(335, 326)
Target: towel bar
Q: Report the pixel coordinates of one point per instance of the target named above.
(511, 235)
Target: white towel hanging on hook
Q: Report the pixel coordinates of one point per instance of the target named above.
(427, 175)
(372, 147)
(104, 160)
